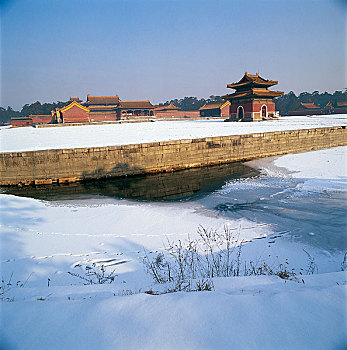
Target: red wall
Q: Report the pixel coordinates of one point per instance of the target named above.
(253, 107)
(103, 117)
(75, 115)
(306, 112)
(247, 107)
(225, 111)
(270, 107)
(177, 114)
(41, 119)
(340, 110)
(252, 110)
(22, 122)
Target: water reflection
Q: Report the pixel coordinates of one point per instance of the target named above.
(312, 218)
(179, 185)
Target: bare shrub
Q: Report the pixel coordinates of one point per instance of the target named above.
(95, 275)
(204, 285)
(311, 266)
(5, 286)
(344, 263)
(192, 264)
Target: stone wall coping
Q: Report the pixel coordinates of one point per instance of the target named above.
(78, 164)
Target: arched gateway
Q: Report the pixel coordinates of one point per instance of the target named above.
(240, 113)
(263, 112)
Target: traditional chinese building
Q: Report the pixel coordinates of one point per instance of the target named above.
(252, 100)
(341, 107)
(328, 108)
(32, 119)
(135, 109)
(306, 109)
(215, 109)
(74, 112)
(108, 108)
(102, 108)
(167, 108)
(312, 109)
(95, 109)
(21, 121)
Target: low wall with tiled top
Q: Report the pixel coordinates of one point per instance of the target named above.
(70, 165)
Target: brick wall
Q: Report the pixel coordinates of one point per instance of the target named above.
(313, 111)
(252, 110)
(69, 165)
(41, 119)
(24, 121)
(176, 114)
(100, 117)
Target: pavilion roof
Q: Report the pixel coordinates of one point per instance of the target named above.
(168, 107)
(253, 92)
(103, 107)
(135, 104)
(213, 105)
(308, 105)
(252, 80)
(329, 104)
(102, 100)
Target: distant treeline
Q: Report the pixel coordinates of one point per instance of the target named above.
(34, 108)
(285, 103)
(191, 103)
(290, 102)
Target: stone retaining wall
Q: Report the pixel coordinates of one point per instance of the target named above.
(71, 165)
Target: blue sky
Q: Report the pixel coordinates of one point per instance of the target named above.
(163, 49)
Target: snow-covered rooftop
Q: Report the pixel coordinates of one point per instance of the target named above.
(27, 138)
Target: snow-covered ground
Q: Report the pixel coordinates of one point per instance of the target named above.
(28, 138)
(297, 207)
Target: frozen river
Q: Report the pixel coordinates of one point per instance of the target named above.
(289, 210)
(276, 212)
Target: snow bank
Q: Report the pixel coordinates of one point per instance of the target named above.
(244, 313)
(28, 138)
(320, 170)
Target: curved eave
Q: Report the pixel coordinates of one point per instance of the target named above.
(251, 83)
(169, 107)
(72, 104)
(237, 95)
(103, 107)
(136, 107)
(90, 104)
